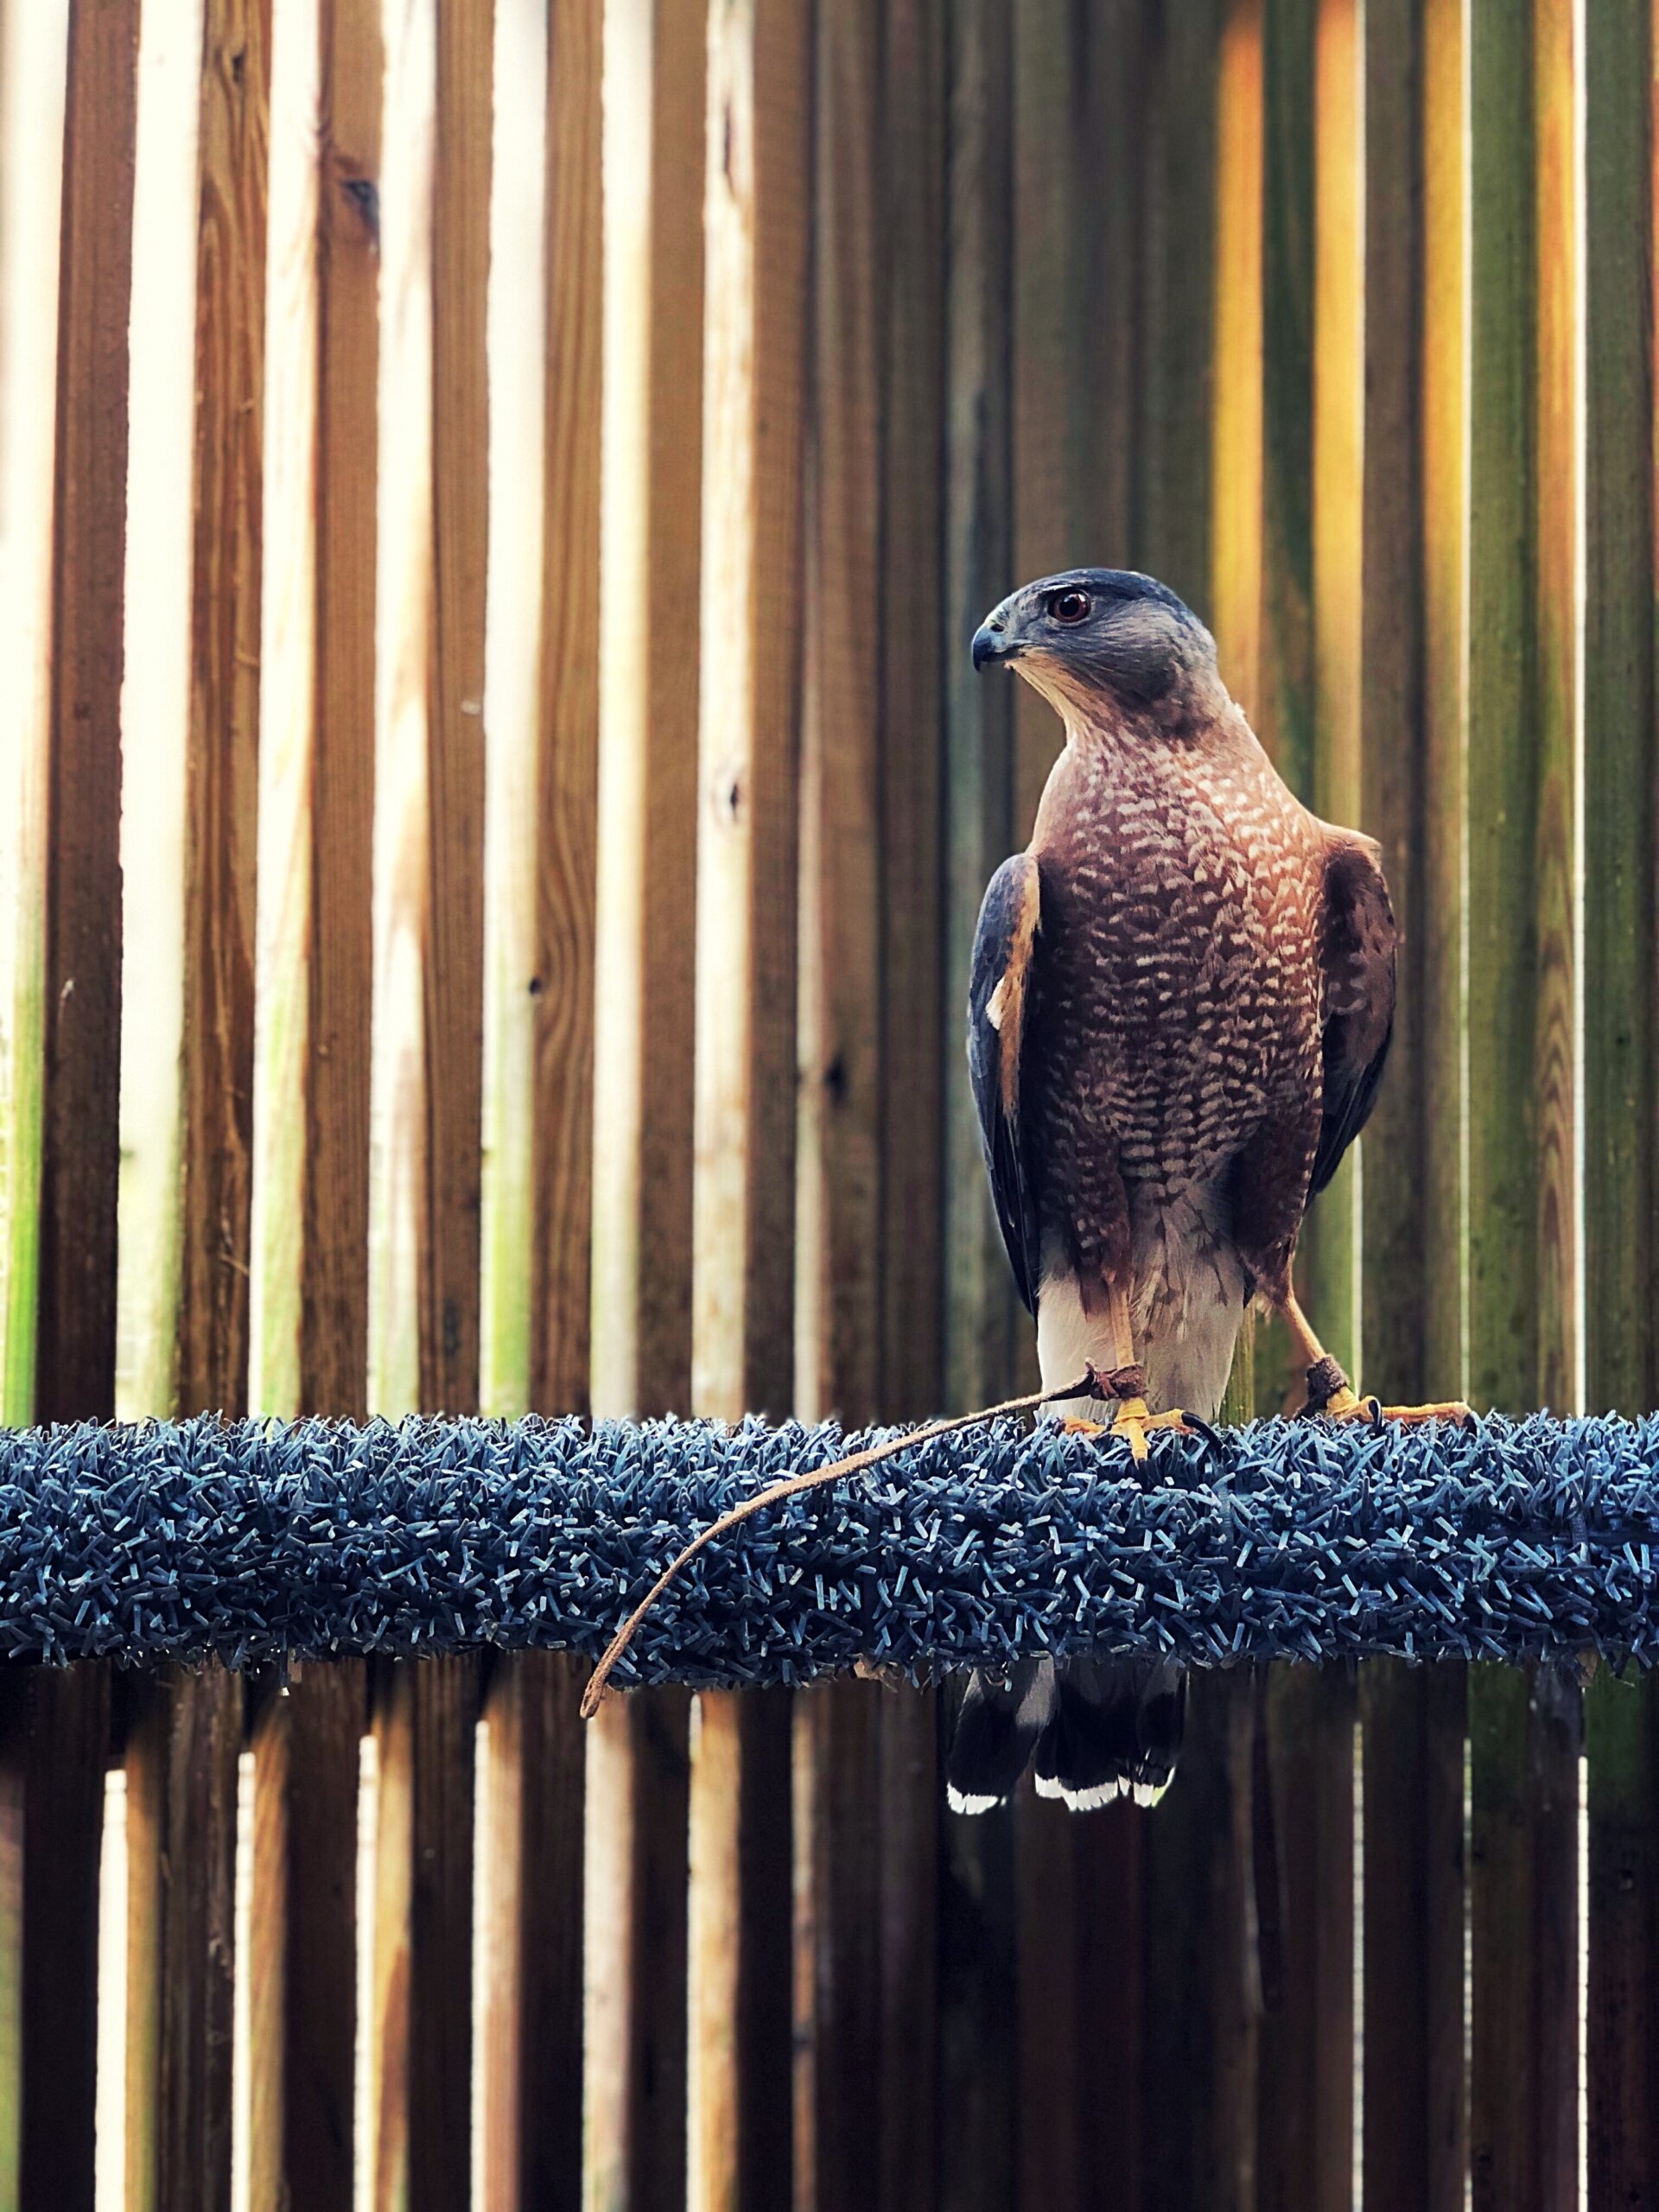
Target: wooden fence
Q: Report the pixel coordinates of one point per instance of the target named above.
(493, 804)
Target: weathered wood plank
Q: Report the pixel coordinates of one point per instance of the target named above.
(978, 827)
(302, 1999)
(637, 2093)
(1415, 2151)
(308, 1319)
(34, 55)
(211, 1327)
(757, 186)
(562, 983)
(531, 1936)
(1415, 2129)
(918, 1031)
(1621, 1354)
(1524, 1732)
(65, 1759)
(184, 1739)
(840, 1080)
(911, 1788)
(424, 1720)
(650, 560)
(424, 1123)
(75, 1375)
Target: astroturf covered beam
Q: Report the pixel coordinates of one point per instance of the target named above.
(260, 1540)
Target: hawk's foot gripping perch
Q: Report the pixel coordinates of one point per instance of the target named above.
(1331, 1394)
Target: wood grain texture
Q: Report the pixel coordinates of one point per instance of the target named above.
(222, 766)
(1524, 1730)
(757, 214)
(978, 2028)
(531, 1936)
(1619, 1188)
(1199, 2001)
(1236, 433)
(840, 1080)
(634, 2146)
(1305, 2151)
(75, 1375)
(34, 56)
(1416, 2149)
(919, 1039)
(63, 1760)
(649, 559)
(309, 1299)
(425, 1100)
(979, 826)
(303, 2001)
(753, 398)
(424, 1716)
(839, 1077)
(184, 1738)
(907, 1902)
(563, 984)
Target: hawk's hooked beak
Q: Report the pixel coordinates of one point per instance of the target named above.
(991, 644)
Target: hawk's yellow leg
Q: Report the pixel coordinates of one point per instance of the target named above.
(1329, 1392)
(1134, 1417)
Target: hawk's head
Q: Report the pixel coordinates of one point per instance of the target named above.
(1094, 637)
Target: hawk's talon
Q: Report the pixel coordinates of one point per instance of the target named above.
(1134, 1422)
(1075, 1425)
(1345, 1404)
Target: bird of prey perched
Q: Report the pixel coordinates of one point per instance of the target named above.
(1181, 999)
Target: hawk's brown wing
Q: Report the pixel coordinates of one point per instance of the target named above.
(1000, 990)
(1357, 957)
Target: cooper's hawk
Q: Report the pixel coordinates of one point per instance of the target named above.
(1181, 1002)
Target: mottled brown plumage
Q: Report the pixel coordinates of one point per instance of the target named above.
(1170, 1061)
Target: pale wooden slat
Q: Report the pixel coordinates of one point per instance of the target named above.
(755, 270)
(1621, 1353)
(650, 557)
(425, 1714)
(302, 1998)
(309, 1311)
(184, 1739)
(531, 1936)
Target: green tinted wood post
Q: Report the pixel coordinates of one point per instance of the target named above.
(1622, 1354)
(1523, 1728)
(1411, 775)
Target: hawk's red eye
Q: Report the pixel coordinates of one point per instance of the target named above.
(1069, 606)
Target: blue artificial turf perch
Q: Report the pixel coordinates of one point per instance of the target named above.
(259, 1541)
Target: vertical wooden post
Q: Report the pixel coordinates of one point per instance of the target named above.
(918, 1031)
(1622, 1352)
(756, 236)
(308, 1318)
(1414, 2149)
(1524, 1730)
(978, 2044)
(183, 1742)
(841, 1076)
(541, 641)
(650, 556)
(217, 1124)
(309, 1292)
(302, 2002)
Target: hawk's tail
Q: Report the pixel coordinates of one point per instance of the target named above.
(1099, 1728)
